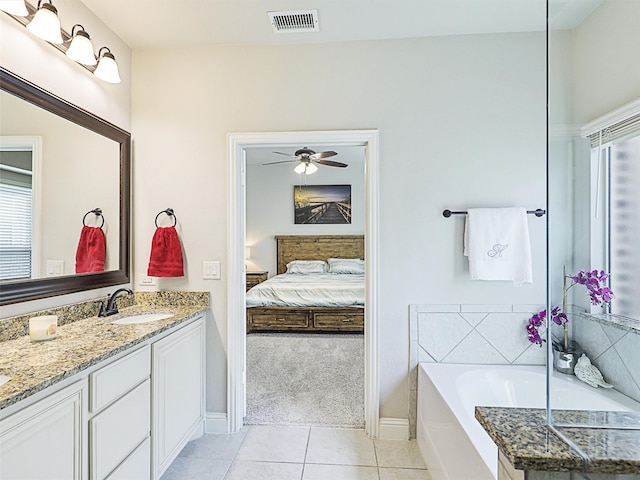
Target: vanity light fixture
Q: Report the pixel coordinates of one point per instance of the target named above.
(81, 48)
(14, 7)
(307, 168)
(107, 68)
(45, 23)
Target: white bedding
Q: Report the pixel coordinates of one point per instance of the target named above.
(310, 290)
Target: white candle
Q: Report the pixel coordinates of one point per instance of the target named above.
(43, 328)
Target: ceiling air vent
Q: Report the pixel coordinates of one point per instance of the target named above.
(297, 21)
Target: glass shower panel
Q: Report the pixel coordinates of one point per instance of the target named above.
(593, 344)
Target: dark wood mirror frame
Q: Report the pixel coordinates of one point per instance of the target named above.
(22, 291)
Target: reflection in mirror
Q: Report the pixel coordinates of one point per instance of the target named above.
(75, 177)
(58, 162)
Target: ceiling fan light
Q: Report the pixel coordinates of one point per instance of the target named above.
(300, 168)
(81, 48)
(46, 24)
(14, 7)
(311, 169)
(107, 68)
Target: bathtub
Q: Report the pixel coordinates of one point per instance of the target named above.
(451, 440)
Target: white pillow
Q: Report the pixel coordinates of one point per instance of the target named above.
(306, 266)
(354, 266)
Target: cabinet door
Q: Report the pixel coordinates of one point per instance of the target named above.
(45, 439)
(178, 392)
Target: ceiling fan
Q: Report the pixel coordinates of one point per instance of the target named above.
(306, 159)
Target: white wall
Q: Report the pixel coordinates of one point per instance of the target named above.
(270, 204)
(461, 121)
(42, 64)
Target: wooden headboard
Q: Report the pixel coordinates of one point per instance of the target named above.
(317, 247)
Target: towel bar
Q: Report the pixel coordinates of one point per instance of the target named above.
(169, 212)
(447, 213)
(97, 212)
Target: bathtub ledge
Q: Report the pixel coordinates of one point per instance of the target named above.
(523, 438)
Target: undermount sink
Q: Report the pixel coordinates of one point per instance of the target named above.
(142, 318)
(4, 379)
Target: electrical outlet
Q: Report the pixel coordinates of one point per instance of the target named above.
(147, 281)
(211, 270)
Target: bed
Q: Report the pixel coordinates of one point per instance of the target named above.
(289, 302)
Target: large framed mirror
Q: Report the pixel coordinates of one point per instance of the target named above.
(75, 163)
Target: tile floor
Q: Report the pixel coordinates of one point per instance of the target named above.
(297, 453)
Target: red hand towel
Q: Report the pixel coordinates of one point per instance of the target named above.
(92, 249)
(166, 254)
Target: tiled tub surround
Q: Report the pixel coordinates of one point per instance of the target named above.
(524, 440)
(84, 340)
(613, 345)
(476, 334)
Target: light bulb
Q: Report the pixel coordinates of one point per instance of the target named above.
(300, 168)
(46, 24)
(14, 7)
(81, 48)
(311, 168)
(107, 68)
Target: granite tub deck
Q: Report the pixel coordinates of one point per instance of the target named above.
(85, 341)
(523, 438)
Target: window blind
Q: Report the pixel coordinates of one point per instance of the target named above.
(618, 131)
(15, 232)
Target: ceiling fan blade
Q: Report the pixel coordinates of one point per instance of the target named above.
(281, 161)
(331, 163)
(327, 154)
(285, 154)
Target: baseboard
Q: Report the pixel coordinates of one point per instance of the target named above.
(394, 429)
(216, 422)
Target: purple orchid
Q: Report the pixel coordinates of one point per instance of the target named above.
(598, 294)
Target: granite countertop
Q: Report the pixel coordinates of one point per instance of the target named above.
(523, 437)
(80, 344)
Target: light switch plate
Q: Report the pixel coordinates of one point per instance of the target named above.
(211, 270)
(147, 281)
(55, 268)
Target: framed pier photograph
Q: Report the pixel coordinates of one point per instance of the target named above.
(322, 204)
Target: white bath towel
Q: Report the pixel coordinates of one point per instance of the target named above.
(496, 240)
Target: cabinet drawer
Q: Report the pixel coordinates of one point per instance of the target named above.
(137, 465)
(117, 378)
(119, 429)
(280, 320)
(339, 321)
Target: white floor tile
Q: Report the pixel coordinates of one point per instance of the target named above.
(248, 470)
(219, 446)
(339, 472)
(392, 453)
(403, 474)
(274, 444)
(197, 469)
(340, 447)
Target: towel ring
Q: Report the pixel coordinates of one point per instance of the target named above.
(169, 212)
(97, 212)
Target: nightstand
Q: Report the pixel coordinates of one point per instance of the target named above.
(254, 278)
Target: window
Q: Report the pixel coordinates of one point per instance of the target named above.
(624, 226)
(15, 218)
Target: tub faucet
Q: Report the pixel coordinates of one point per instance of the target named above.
(111, 308)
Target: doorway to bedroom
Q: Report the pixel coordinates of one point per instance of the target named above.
(305, 312)
(241, 259)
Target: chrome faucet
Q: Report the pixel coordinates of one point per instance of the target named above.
(111, 308)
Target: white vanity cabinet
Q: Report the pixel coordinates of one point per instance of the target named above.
(120, 407)
(45, 439)
(122, 419)
(178, 389)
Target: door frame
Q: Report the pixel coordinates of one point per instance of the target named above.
(236, 229)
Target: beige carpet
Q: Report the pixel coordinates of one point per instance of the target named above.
(297, 379)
